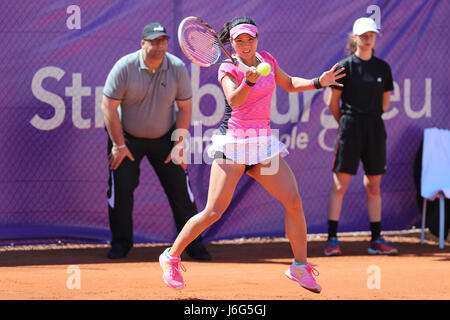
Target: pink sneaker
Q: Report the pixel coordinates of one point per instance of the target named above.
(171, 270)
(303, 274)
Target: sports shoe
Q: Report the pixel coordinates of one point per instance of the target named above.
(118, 251)
(332, 248)
(196, 250)
(303, 274)
(171, 270)
(380, 246)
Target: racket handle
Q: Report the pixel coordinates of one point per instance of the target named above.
(240, 65)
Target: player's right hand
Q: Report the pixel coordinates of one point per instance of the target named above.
(117, 155)
(252, 75)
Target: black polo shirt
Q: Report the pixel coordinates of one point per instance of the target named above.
(364, 85)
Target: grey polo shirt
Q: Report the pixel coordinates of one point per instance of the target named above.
(147, 100)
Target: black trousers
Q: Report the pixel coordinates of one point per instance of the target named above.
(124, 180)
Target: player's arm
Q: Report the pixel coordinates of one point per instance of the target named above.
(386, 100)
(292, 84)
(236, 93)
(114, 127)
(333, 103)
(297, 84)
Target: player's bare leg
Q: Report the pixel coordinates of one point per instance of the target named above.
(283, 186)
(223, 180)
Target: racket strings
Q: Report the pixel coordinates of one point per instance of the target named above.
(200, 44)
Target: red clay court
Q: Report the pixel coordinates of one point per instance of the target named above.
(250, 269)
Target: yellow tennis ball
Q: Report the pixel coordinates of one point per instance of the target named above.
(263, 68)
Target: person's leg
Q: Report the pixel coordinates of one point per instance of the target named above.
(377, 244)
(374, 162)
(283, 186)
(347, 155)
(372, 186)
(175, 182)
(223, 180)
(340, 184)
(341, 181)
(122, 183)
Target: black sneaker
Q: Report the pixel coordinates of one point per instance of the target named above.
(118, 251)
(197, 251)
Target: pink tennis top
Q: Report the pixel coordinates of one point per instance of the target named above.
(253, 116)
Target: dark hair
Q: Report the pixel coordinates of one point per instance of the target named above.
(224, 35)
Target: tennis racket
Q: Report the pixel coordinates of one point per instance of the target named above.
(201, 44)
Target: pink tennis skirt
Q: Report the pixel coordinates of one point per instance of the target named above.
(249, 150)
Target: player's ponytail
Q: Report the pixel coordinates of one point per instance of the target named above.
(224, 35)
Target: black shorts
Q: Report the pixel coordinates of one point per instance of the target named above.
(362, 138)
(221, 155)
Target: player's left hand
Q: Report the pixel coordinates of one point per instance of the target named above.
(177, 155)
(329, 77)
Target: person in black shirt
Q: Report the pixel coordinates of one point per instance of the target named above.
(361, 135)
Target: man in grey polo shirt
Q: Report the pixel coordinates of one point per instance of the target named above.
(145, 85)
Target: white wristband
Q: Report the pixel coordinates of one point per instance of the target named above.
(120, 147)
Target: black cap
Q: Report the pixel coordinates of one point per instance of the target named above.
(153, 30)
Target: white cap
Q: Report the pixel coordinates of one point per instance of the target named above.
(363, 25)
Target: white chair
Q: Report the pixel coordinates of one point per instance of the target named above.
(435, 181)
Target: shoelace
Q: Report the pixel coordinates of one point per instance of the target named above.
(312, 270)
(176, 268)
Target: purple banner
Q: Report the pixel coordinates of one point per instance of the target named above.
(56, 56)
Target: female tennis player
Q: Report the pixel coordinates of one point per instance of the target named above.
(246, 145)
